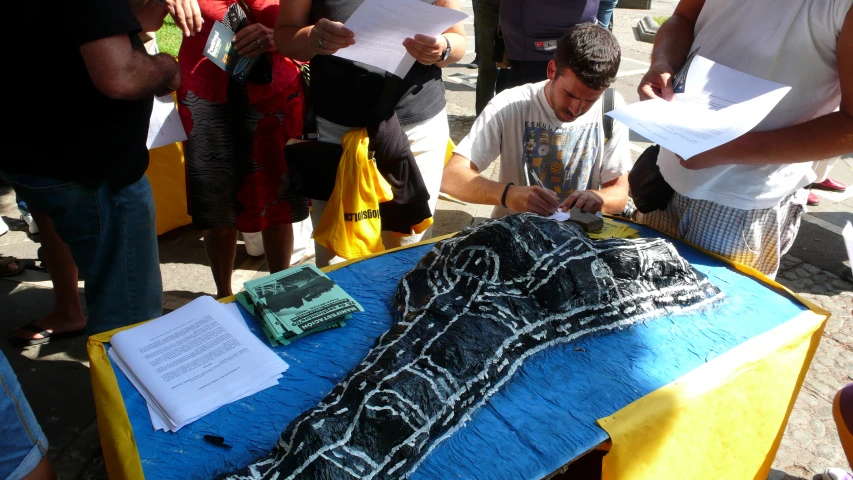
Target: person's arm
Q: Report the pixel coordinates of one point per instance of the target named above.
(462, 180)
(295, 38)
(186, 14)
(672, 44)
(427, 50)
(611, 198)
(123, 73)
(824, 137)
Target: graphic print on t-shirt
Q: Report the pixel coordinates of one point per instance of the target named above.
(560, 159)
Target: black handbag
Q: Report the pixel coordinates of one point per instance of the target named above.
(649, 189)
(313, 165)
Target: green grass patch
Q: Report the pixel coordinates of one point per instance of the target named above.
(661, 19)
(169, 37)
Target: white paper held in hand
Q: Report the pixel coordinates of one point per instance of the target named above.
(718, 105)
(164, 126)
(380, 26)
(194, 360)
(847, 233)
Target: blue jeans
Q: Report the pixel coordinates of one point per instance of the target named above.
(605, 12)
(22, 443)
(113, 240)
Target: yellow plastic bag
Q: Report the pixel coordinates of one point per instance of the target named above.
(350, 226)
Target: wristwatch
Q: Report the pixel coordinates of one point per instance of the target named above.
(446, 52)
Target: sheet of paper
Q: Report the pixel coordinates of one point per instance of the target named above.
(165, 125)
(380, 26)
(718, 105)
(847, 233)
(194, 360)
(559, 216)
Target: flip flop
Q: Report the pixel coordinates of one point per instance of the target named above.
(5, 271)
(46, 336)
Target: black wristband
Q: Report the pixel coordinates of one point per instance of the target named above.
(503, 197)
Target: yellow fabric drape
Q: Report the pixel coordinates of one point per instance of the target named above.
(350, 226)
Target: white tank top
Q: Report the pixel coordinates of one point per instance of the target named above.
(792, 42)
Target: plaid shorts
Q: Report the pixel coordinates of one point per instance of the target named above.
(757, 238)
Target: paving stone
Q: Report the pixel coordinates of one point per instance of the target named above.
(841, 284)
(817, 428)
(803, 273)
(808, 399)
(818, 289)
(841, 338)
(801, 436)
(810, 268)
(818, 465)
(820, 387)
(820, 278)
(797, 417)
(808, 282)
(791, 275)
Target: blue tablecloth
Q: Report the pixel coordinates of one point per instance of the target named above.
(542, 419)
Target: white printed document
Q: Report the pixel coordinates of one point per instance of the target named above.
(165, 125)
(713, 105)
(380, 26)
(194, 360)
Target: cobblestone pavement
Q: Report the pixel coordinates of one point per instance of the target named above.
(811, 444)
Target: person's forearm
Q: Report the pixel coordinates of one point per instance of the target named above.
(142, 76)
(615, 198)
(458, 44)
(292, 41)
(673, 41)
(149, 75)
(823, 137)
(468, 186)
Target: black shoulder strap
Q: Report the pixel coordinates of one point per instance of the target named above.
(608, 105)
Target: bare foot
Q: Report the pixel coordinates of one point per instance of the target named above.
(53, 323)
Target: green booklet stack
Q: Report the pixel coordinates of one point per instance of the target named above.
(297, 302)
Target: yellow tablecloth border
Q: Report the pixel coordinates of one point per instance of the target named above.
(664, 434)
(121, 455)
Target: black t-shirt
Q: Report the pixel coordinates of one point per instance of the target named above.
(66, 127)
(347, 92)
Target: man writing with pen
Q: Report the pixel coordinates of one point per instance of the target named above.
(550, 137)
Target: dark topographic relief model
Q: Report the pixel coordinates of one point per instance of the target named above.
(467, 317)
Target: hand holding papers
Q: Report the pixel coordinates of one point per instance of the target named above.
(194, 360)
(380, 26)
(717, 105)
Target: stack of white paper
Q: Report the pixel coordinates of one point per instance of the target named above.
(194, 360)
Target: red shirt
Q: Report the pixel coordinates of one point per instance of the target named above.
(205, 79)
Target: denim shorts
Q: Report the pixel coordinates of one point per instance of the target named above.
(22, 443)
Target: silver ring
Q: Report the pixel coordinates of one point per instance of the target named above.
(320, 42)
(258, 41)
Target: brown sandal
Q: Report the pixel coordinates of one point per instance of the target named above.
(5, 266)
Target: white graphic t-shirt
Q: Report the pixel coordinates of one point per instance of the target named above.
(536, 148)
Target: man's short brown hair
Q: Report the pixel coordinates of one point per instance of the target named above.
(591, 52)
